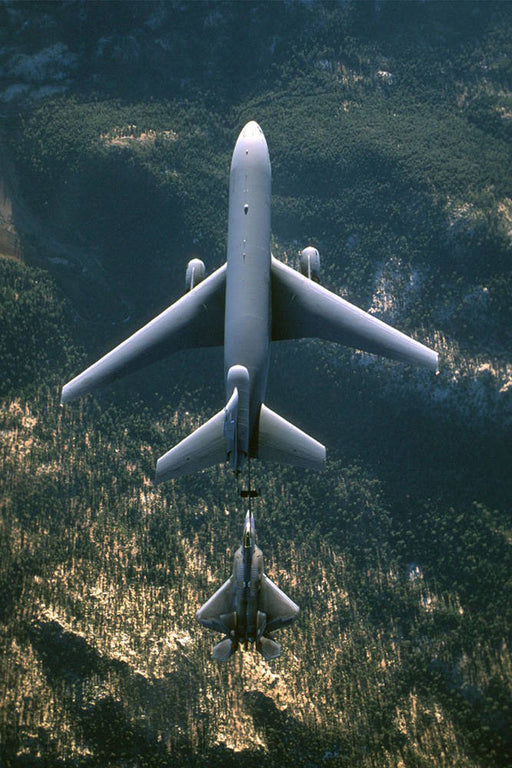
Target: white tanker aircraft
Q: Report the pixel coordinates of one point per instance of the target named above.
(246, 304)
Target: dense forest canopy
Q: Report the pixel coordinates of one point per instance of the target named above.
(389, 127)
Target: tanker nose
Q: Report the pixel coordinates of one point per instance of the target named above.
(251, 131)
(251, 149)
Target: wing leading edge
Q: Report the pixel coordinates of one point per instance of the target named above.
(220, 603)
(304, 309)
(195, 320)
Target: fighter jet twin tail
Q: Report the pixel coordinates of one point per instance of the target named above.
(246, 304)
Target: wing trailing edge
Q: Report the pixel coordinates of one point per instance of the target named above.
(203, 448)
(304, 309)
(278, 440)
(195, 320)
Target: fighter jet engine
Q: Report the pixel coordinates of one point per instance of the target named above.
(195, 273)
(310, 263)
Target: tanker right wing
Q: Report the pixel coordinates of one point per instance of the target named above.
(303, 309)
(195, 320)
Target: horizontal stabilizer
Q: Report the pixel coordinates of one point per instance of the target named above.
(196, 320)
(203, 448)
(268, 648)
(280, 441)
(303, 309)
(223, 650)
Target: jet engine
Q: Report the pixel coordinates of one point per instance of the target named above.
(310, 263)
(195, 273)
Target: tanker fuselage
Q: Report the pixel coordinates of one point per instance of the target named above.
(247, 327)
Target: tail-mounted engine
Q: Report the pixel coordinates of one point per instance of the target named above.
(310, 263)
(195, 273)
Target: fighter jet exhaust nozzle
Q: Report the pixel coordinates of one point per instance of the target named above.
(310, 264)
(195, 273)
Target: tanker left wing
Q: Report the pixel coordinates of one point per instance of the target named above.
(195, 320)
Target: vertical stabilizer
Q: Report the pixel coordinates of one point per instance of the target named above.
(236, 425)
(224, 437)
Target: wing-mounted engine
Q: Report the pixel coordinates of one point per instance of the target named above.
(195, 273)
(310, 263)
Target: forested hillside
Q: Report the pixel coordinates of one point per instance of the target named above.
(389, 127)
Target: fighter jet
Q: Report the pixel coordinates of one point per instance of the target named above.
(246, 304)
(248, 607)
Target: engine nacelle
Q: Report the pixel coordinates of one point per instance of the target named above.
(195, 273)
(310, 263)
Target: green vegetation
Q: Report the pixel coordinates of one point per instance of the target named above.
(389, 133)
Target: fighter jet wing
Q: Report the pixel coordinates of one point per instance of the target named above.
(304, 309)
(279, 608)
(216, 613)
(196, 320)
